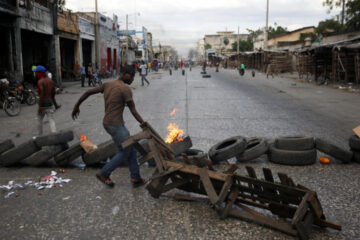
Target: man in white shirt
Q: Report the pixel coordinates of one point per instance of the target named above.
(143, 72)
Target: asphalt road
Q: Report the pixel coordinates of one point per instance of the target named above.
(210, 110)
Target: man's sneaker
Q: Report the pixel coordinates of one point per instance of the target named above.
(137, 182)
(106, 180)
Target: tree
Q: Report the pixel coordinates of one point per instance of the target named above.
(328, 24)
(335, 4)
(208, 46)
(244, 45)
(353, 15)
(276, 30)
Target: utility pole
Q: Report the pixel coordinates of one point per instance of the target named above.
(127, 39)
(97, 35)
(238, 45)
(267, 25)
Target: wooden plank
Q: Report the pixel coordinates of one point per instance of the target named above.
(250, 210)
(135, 138)
(186, 159)
(140, 149)
(266, 221)
(209, 188)
(302, 209)
(316, 206)
(159, 162)
(283, 178)
(184, 197)
(155, 186)
(231, 169)
(325, 223)
(231, 200)
(174, 184)
(268, 175)
(197, 162)
(225, 189)
(158, 139)
(251, 172)
(169, 171)
(282, 210)
(209, 164)
(146, 158)
(193, 170)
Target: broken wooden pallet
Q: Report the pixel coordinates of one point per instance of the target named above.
(284, 206)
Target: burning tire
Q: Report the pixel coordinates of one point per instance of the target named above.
(334, 151)
(227, 149)
(6, 145)
(66, 157)
(295, 143)
(182, 146)
(102, 153)
(44, 155)
(16, 154)
(288, 157)
(54, 138)
(354, 142)
(254, 149)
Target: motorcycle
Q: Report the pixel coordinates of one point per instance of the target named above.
(25, 95)
(10, 104)
(96, 80)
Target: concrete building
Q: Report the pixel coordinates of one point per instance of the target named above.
(259, 41)
(289, 41)
(200, 50)
(87, 40)
(128, 48)
(164, 53)
(222, 41)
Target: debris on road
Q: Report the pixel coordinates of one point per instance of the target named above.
(229, 192)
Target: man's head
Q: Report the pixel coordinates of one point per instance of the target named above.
(127, 74)
(40, 72)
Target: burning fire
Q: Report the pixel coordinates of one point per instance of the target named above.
(83, 137)
(175, 134)
(174, 111)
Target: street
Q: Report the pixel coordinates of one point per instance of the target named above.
(210, 110)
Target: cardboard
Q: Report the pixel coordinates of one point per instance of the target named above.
(88, 145)
(357, 131)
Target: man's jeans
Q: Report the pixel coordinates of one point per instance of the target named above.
(49, 112)
(119, 134)
(143, 78)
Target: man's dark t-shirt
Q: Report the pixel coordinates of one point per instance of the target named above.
(116, 95)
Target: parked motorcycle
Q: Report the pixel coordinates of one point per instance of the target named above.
(25, 95)
(95, 80)
(10, 104)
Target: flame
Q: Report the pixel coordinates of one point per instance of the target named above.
(174, 111)
(83, 137)
(175, 133)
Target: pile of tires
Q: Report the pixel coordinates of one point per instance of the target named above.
(332, 150)
(354, 143)
(226, 149)
(36, 151)
(293, 150)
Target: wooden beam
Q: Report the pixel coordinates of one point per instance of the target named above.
(225, 189)
(209, 188)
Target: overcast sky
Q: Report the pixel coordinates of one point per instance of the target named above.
(181, 23)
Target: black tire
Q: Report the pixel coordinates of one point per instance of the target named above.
(254, 149)
(6, 145)
(102, 153)
(292, 158)
(181, 147)
(227, 148)
(54, 138)
(66, 157)
(203, 72)
(295, 143)
(354, 143)
(332, 150)
(44, 155)
(16, 154)
(31, 98)
(12, 107)
(206, 76)
(356, 157)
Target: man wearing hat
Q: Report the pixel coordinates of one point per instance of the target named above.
(47, 102)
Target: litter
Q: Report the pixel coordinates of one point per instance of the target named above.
(98, 197)
(9, 194)
(115, 210)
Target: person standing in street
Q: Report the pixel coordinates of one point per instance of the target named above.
(143, 69)
(90, 74)
(83, 75)
(47, 102)
(117, 95)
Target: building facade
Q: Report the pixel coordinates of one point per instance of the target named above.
(222, 41)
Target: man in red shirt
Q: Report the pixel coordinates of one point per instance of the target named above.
(117, 96)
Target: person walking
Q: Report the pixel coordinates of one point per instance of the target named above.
(83, 75)
(149, 66)
(143, 72)
(47, 102)
(117, 96)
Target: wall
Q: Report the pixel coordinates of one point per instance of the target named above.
(217, 40)
(290, 37)
(340, 37)
(38, 19)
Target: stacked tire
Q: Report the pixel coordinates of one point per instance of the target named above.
(354, 143)
(227, 149)
(334, 151)
(293, 150)
(255, 148)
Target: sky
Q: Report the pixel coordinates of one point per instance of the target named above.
(182, 23)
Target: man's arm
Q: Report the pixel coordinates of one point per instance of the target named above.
(76, 111)
(133, 111)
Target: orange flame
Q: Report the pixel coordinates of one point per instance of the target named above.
(174, 111)
(83, 137)
(175, 133)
